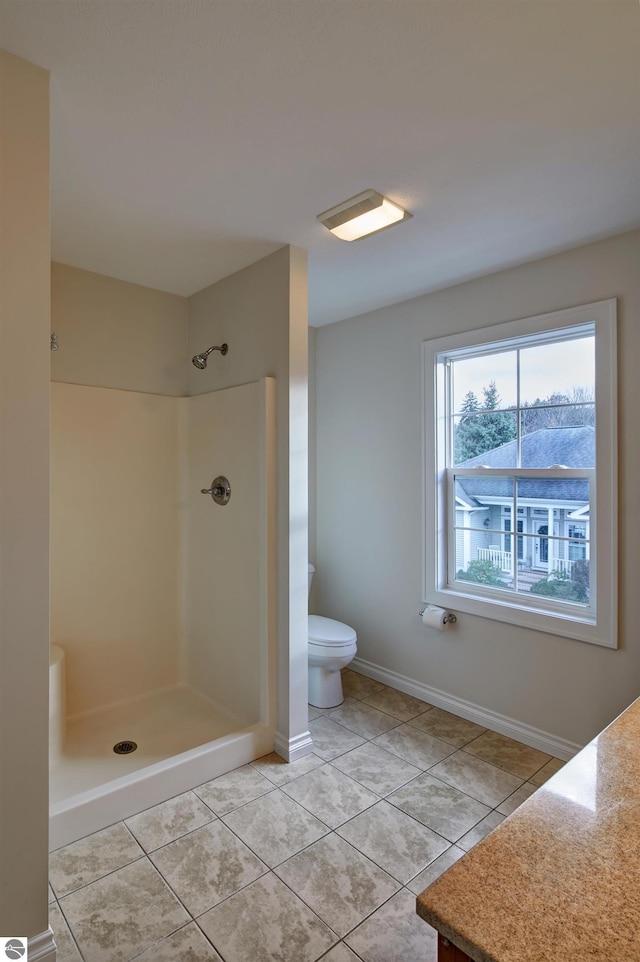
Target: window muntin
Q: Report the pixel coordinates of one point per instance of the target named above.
(483, 557)
(556, 534)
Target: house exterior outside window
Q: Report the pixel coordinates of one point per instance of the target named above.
(520, 423)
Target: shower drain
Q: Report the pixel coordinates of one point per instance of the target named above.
(124, 748)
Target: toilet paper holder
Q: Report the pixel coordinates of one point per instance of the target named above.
(449, 618)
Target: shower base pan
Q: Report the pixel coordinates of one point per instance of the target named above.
(91, 786)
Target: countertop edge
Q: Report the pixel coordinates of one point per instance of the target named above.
(453, 935)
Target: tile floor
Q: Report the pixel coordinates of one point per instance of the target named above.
(320, 859)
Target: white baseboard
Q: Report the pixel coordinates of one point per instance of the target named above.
(42, 948)
(534, 737)
(291, 749)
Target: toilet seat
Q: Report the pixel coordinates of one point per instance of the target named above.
(326, 631)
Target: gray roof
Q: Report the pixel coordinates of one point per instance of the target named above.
(574, 447)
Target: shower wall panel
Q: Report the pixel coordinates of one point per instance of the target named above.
(224, 549)
(114, 541)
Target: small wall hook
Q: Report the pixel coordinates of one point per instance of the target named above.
(54, 342)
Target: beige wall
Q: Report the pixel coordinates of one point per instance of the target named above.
(115, 476)
(369, 509)
(312, 442)
(224, 553)
(24, 504)
(115, 545)
(115, 334)
(261, 312)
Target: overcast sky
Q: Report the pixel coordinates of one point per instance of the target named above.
(544, 370)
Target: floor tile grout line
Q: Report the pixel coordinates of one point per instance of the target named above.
(243, 804)
(343, 937)
(191, 831)
(272, 868)
(60, 898)
(271, 871)
(152, 851)
(355, 779)
(71, 932)
(428, 771)
(383, 711)
(194, 918)
(123, 821)
(441, 738)
(370, 914)
(306, 904)
(171, 890)
(370, 738)
(191, 921)
(497, 767)
(328, 827)
(394, 877)
(300, 897)
(455, 787)
(501, 768)
(326, 954)
(431, 708)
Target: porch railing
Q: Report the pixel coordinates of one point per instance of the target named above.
(504, 559)
(494, 553)
(561, 564)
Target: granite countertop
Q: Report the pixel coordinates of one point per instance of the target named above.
(559, 879)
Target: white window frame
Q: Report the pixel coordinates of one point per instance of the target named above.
(597, 624)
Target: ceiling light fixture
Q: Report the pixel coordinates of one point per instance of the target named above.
(366, 213)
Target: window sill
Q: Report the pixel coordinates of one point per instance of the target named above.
(554, 622)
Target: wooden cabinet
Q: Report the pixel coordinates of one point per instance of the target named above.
(448, 952)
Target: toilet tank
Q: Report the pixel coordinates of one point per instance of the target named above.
(311, 574)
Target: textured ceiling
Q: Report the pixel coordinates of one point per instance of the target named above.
(192, 137)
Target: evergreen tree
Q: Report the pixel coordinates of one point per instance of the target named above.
(464, 429)
(470, 403)
(482, 428)
(499, 427)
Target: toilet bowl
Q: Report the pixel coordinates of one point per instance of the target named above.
(332, 645)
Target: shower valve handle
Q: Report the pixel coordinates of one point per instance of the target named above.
(220, 490)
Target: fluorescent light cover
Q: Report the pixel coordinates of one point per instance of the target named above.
(362, 215)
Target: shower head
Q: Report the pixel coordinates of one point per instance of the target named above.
(200, 360)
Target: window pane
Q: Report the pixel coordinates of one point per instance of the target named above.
(486, 438)
(559, 372)
(577, 550)
(574, 447)
(476, 491)
(488, 382)
(554, 543)
(548, 555)
(560, 416)
(563, 496)
(482, 560)
(550, 573)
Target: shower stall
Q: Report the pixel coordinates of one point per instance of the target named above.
(162, 594)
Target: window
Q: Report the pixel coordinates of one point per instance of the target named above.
(520, 541)
(520, 424)
(578, 544)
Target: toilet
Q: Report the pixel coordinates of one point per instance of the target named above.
(332, 646)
